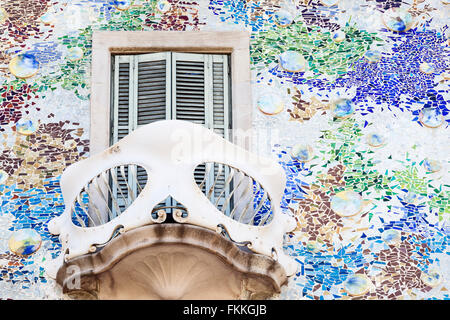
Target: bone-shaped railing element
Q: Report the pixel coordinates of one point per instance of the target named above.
(169, 151)
(236, 194)
(232, 191)
(107, 195)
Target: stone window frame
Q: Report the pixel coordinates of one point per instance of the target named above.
(105, 44)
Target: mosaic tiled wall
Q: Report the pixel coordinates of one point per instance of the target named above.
(354, 95)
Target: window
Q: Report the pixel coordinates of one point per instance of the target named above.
(169, 85)
(108, 44)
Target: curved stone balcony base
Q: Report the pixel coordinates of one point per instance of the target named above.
(171, 261)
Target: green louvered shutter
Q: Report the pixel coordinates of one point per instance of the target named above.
(141, 96)
(123, 104)
(220, 120)
(189, 99)
(122, 119)
(153, 98)
(183, 86)
(200, 93)
(142, 91)
(152, 87)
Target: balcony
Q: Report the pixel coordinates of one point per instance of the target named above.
(172, 211)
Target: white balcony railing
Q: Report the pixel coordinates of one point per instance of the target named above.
(178, 171)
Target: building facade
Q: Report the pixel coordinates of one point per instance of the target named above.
(350, 98)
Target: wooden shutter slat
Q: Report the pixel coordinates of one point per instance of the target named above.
(153, 87)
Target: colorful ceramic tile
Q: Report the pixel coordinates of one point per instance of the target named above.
(24, 66)
(302, 152)
(372, 56)
(48, 17)
(24, 242)
(399, 20)
(75, 53)
(427, 68)
(347, 203)
(375, 139)
(431, 117)
(26, 126)
(343, 108)
(391, 236)
(70, 144)
(292, 61)
(329, 3)
(3, 176)
(431, 278)
(303, 111)
(270, 104)
(431, 165)
(163, 6)
(314, 246)
(283, 18)
(338, 36)
(411, 198)
(3, 15)
(357, 284)
(122, 4)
